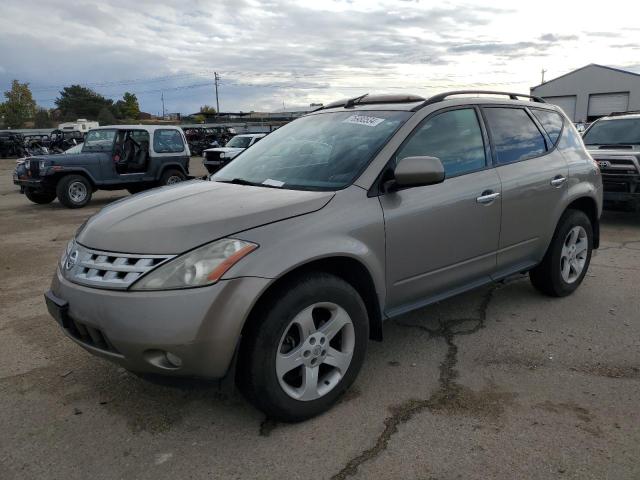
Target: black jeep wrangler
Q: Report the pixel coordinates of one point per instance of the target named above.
(131, 157)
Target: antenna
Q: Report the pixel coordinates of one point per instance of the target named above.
(543, 72)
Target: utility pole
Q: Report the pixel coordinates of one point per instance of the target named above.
(162, 97)
(217, 79)
(543, 72)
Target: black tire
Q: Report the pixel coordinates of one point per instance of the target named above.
(39, 197)
(256, 369)
(171, 176)
(547, 276)
(67, 197)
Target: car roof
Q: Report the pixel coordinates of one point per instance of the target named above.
(149, 128)
(252, 135)
(622, 116)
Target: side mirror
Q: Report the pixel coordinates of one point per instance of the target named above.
(416, 172)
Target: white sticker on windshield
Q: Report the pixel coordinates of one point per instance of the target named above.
(273, 183)
(364, 120)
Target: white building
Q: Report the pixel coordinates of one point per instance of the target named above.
(592, 91)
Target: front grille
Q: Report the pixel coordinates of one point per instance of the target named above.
(101, 269)
(617, 165)
(212, 155)
(89, 335)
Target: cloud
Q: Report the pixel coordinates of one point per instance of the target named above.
(267, 51)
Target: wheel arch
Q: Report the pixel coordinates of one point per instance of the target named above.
(349, 269)
(589, 206)
(81, 172)
(170, 166)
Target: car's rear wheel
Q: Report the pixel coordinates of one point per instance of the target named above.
(74, 191)
(171, 176)
(567, 259)
(305, 350)
(39, 196)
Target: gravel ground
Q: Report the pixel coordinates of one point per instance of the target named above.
(500, 383)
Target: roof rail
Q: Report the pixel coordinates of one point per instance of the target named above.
(367, 99)
(443, 96)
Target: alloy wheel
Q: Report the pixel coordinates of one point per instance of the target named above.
(574, 252)
(315, 351)
(77, 192)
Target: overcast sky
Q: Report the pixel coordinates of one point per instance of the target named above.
(274, 54)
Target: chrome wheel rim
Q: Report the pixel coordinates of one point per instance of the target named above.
(173, 179)
(574, 254)
(77, 192)
(315, 351)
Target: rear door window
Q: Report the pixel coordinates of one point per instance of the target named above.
(551, 121)
(167, 141)
(515, 136)
(454, 137)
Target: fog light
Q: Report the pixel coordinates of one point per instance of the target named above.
(174, 360)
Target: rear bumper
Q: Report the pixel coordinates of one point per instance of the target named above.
(200, 327)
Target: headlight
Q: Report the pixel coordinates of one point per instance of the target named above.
(66, 252)
(221, 154)
(43, 164)
(27, 164)
(197, 268)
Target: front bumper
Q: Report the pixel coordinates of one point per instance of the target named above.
(621, 188)
(200, 327)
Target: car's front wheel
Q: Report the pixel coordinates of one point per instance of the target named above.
(74, 191)
(567, 259)
(305, 349)
(40, 197)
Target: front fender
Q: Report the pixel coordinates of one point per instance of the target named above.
(350, 225)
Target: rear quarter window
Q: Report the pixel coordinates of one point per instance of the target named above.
(167, 141)
(515, 137)
(551, 121)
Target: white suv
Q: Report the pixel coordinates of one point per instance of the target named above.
(216, 158)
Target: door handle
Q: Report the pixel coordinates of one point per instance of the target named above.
(487, 197)
(558, 180)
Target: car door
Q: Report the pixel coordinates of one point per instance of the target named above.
(443, 238)
(534, 180)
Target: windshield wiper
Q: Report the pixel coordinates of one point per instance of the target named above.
(242, 181)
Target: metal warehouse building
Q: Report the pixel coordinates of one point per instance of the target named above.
(592, 91)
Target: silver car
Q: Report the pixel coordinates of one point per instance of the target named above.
(291, 258)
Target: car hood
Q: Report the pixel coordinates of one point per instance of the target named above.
(173, 219)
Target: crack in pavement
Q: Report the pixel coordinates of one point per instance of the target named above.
(447, 395)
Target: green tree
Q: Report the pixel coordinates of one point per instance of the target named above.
(42, 119)
(106, 117)
(207, 109)
(20, 105)
(130, 107)
(198, 118)
(82, 102)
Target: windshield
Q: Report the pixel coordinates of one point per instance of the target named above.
(623, 131)
(318, 152)
(99, 141)
(239, 142)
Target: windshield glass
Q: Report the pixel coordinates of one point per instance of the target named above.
(99, 141)
(623, 131)
(239, 142)
(318, 152)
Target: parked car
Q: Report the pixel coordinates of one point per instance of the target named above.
(356, 213)
(614, 142)
(215, 158)
(11, 144)
(132, 157)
